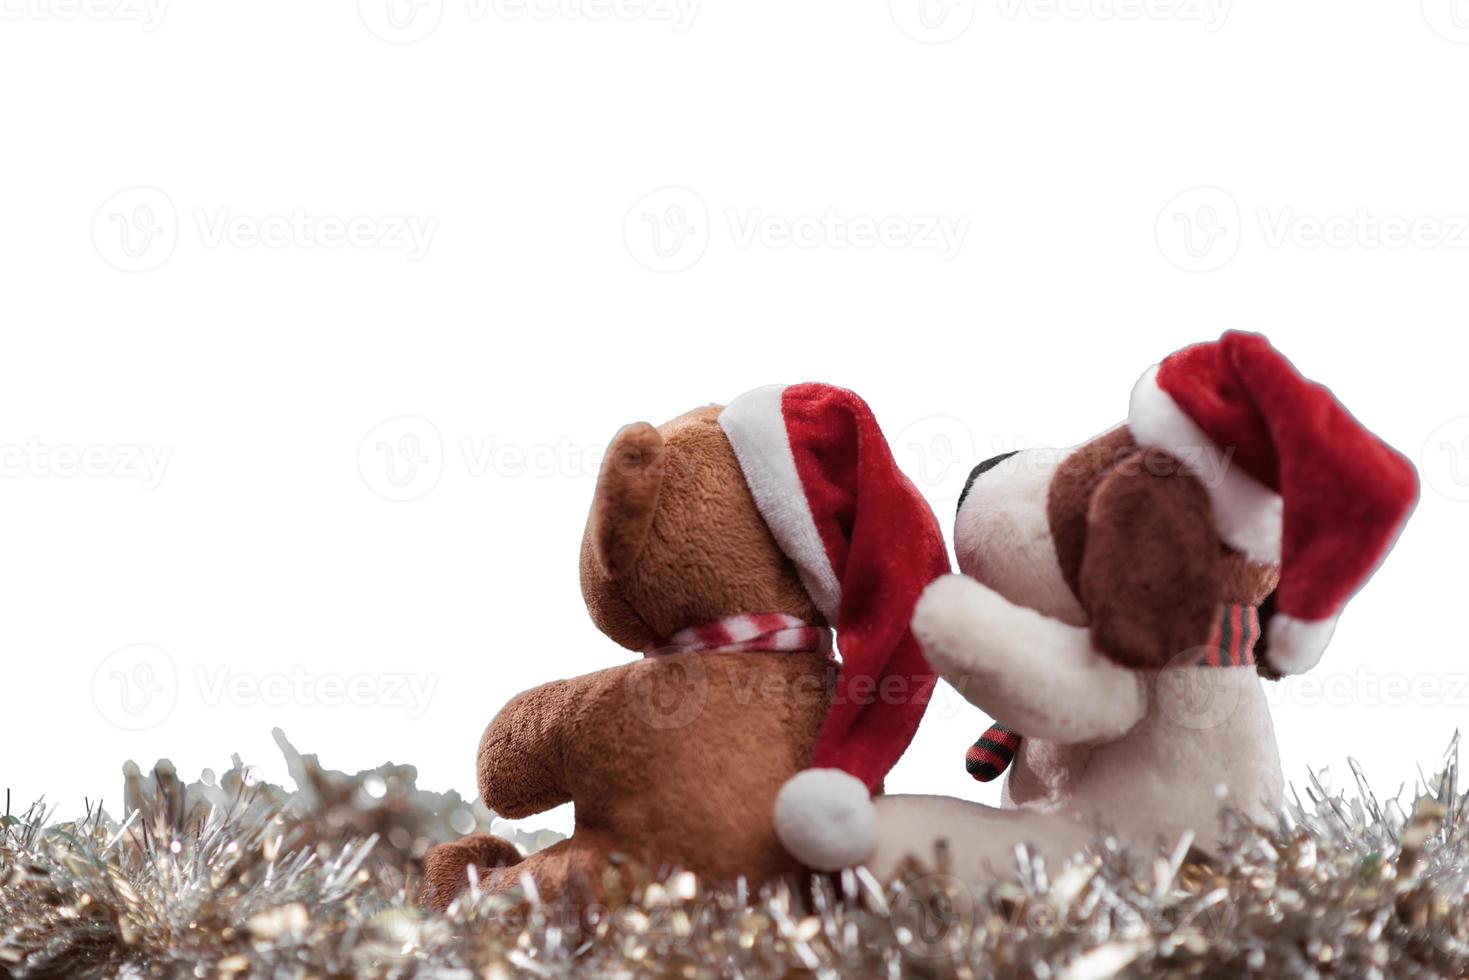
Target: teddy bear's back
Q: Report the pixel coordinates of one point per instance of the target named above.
(670, 753)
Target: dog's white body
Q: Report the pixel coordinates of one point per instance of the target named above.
(1152, 755)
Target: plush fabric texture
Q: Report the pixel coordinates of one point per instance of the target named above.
(1149, 576)
(827, 484)
(991, 754)
(886, 545)
(866, 543)
(1097, 632)
(1047, 771)
(446, 867)
(670, 761)
(1075, 516)
(1029, 672)
(1345, 493)
(674, 759)
(622, 513)
(979, 471)
(826, 818)
(1003, 534)
(1139, 751)
(1231, 644)
(755, 424)
(708, 554)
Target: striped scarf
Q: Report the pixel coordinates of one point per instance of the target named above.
(753, 631)
(1231, 643)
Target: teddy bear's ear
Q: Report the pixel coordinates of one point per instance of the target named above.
(626, 497)
(1150, 575)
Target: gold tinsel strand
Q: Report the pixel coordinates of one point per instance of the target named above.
(237, 878)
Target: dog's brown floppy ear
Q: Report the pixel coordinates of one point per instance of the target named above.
(1150, 574)
(626, 497)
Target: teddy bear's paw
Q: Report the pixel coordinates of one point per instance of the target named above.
(446, 867)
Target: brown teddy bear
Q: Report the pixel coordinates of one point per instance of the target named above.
(1122, 600)
(723, 546)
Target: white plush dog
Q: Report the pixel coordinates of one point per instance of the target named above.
(1109, 618)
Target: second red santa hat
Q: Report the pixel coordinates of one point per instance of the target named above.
(1295, 480)
(865, 544)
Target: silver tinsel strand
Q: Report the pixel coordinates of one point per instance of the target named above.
(233, 877)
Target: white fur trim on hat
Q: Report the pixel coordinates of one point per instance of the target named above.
(1248, 513)
(756, 428)
(1294, 646)
(826, 819)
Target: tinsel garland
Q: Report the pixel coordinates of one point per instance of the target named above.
(233, 877)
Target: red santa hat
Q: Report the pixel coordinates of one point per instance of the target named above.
(1294, 479)
(865, 544)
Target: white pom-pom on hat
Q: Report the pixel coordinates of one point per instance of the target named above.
(1295, 645)
(826, 819)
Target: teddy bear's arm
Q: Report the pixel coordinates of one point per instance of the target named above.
(1031, 673)
(521, 756)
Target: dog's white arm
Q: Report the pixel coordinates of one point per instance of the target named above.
(1033, 674)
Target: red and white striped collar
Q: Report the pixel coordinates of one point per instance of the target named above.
(775, 632)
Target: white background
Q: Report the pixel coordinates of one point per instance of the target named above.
(215, 321)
